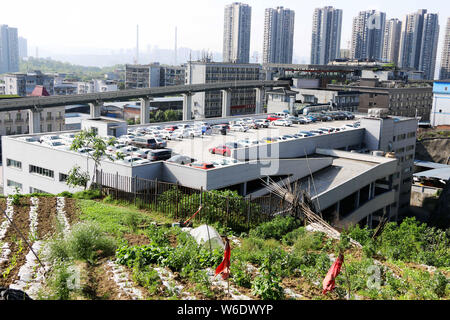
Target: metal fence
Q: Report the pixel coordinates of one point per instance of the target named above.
(180, 203)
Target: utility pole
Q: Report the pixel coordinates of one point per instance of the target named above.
(176, 45)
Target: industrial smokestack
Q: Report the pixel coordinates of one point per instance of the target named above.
(176, 45)
(137, 45)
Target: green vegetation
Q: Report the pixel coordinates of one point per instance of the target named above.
(79, 72)
(165, 116)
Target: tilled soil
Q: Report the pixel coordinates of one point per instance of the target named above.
(3, 208)
(22, 222)
(46, 217)
(72, 210)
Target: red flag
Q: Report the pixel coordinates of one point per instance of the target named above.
(224, 267)
(329, 281)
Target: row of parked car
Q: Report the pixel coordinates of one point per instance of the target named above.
(226, 148)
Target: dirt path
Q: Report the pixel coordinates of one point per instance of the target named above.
(46, 218)
(3, 208)
(18, 247)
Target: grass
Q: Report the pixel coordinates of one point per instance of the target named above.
(116, 220)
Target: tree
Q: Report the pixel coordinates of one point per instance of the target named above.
(160, 116)
(77, 178)
(89, 139)
(171, 115)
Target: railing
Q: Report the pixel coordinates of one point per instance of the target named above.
(180, 203)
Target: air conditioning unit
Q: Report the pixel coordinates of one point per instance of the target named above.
(378, 113)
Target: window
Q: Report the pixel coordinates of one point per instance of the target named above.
(63, 177)
(35, 190)
(14, 164)
(13, 184)
(49, 127)
(42, 171)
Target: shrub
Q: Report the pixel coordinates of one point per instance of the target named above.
(85, 242)
(61, 282)
(253, 250)
(276, 228)
(148, 278)
(240, 275)
(290, 238)
(309, 241)
(88, 194)
(268, 284)
(65, 194)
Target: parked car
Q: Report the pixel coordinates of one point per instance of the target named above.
(239, 128)
(262, 123)
(145, 142)
(204, 166)
(248, 142)
(317, 132)
(161, 143)
(159, 155)
(304, 119)
(350, 116)
(218, 129)
(224, 162)
(141, 153)
(273, 117)
(179, 159)
(233, 145)
(287, 137)
(221, 150)
(135, 160)
(50, 138)
(128, 149)
(269, 140)
(171, 128)
(312, 118)
(282, 122)
(295, 120)
(306, 133)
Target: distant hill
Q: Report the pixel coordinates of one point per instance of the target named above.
(49, 65)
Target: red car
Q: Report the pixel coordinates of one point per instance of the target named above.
(171, 128)
(223, 150)
(272, 117)
(204, 166)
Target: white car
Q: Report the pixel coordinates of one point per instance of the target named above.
(135, 160)
(128, 149)
(181, 134)
(68, 136)
(248, 143)
(166, 135)
(179, 159)
(126, 138)
(282, 122)
(224, 162)
(57, 144)
(50, 138)
(262, 123)
(239, 128)
(195, 133)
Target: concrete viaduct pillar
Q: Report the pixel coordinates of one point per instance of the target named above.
(187, 107)
(226, 103)
(260, 99)
(95, 109)
(34, 122)
(145, 110)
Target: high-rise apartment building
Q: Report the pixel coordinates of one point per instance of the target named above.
(278, 35)
(9, 49)
(419, 41)
(368, 34)
(236, 34)
(445, 63)
(391, 45)
(23, 48)
(326, 35)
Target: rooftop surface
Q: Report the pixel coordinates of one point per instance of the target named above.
(341, 171)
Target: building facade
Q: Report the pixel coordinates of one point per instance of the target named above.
(326, 35)
(419, 41)
(23, 48)
(9, 49)
(236, 34)
(23, 84)
(278, 44)
(401, 100)
(445, 62)
(440, 114)
(172, 76)
(337, 99)
(391, 44)
(209, 104)
(368, 35)
(142, 76)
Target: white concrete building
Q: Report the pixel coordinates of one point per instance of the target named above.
(350, 187)
(440, 113)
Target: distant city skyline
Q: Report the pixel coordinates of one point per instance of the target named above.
(200, 24)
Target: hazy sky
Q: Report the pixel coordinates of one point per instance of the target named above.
(111, 24)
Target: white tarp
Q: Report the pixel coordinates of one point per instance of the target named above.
(207, 234)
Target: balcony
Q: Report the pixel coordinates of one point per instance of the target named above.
(9, 121)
